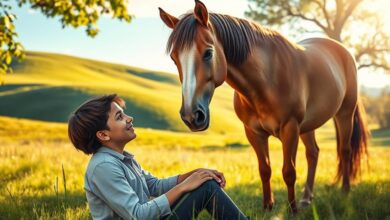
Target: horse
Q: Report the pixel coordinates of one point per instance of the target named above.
(282, 88)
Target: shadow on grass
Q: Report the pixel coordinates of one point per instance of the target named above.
(18, 174)
(28, 203)
(381, 137)
(365, 201)
(45, 206)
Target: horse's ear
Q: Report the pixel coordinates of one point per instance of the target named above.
(201, 13)
(168, 19)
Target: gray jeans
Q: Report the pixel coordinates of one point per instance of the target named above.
(209, 196)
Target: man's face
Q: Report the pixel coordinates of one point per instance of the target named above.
(120, 125)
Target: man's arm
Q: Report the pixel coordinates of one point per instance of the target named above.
(155, 185)
(109, 184)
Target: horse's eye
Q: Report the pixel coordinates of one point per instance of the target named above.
(208, 55)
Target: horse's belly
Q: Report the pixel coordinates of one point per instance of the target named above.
(310, 124)
(320, 110)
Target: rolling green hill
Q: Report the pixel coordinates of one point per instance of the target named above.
(49, 87)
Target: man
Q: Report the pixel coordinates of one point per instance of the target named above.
(117, 187)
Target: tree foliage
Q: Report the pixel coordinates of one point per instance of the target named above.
(351, 22)
(378, 108)
(74, 13)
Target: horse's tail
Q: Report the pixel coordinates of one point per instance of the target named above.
(359, 143)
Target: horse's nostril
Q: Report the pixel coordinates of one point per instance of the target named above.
(200, 117)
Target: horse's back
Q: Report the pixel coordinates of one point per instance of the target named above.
(331, 79)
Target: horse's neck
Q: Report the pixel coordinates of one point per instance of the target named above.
(267, 71)
(249, 79)
(269, 59)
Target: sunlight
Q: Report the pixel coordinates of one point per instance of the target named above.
(373, 79)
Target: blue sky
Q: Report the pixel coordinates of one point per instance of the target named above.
(140, 43)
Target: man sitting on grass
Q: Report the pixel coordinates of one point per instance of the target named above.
(117, 187)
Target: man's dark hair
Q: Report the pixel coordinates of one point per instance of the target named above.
(88, 119)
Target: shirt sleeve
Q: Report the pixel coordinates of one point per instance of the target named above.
(109, 183)
(158, 187)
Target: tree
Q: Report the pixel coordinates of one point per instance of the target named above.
(377, 108)
(351, 22)
(75, 13)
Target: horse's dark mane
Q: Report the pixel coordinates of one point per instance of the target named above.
(238, 36)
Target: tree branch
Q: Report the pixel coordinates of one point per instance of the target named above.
(351, 7)
(378, 43)
(322, 6)
(375, 64)
(370, 51)
(304, 17)
(339, 9)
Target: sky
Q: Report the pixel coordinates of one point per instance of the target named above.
(140, 43)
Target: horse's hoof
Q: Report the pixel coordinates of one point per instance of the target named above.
(293, 208)
(345, 189)
(304, 203)
(268, 206)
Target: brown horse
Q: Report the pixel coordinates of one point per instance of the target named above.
(281, 88)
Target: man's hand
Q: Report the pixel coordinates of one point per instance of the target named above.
(218, 176)
(196, 179)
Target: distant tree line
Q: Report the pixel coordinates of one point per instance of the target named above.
(377, 109)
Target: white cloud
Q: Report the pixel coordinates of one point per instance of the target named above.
(31, 11)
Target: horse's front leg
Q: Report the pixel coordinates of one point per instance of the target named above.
(259, 142)
(289, 135)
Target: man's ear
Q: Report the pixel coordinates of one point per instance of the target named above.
(102, 136)
(168, 19)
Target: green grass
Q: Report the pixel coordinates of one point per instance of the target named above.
(32, 154)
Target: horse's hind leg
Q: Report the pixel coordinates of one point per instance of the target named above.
(312, 152)
(344, 125)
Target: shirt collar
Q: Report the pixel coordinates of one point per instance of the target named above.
(125, 155)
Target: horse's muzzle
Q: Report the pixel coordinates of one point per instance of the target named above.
(197, 120)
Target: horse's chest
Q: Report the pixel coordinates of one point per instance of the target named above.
(259, 121)
(269, 123)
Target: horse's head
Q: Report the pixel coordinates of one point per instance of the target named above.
(200, 60)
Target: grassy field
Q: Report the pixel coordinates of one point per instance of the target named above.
(36, 156)
(41, 174)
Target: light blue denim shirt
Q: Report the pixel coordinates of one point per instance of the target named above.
(118, 188)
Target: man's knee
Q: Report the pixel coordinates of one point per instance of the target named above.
(210, 184)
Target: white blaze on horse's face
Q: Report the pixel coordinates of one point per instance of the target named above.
(187, 60)
(194, 109)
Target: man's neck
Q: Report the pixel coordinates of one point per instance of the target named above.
(115, 147)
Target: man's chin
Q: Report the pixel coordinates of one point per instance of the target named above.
(132, 136)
